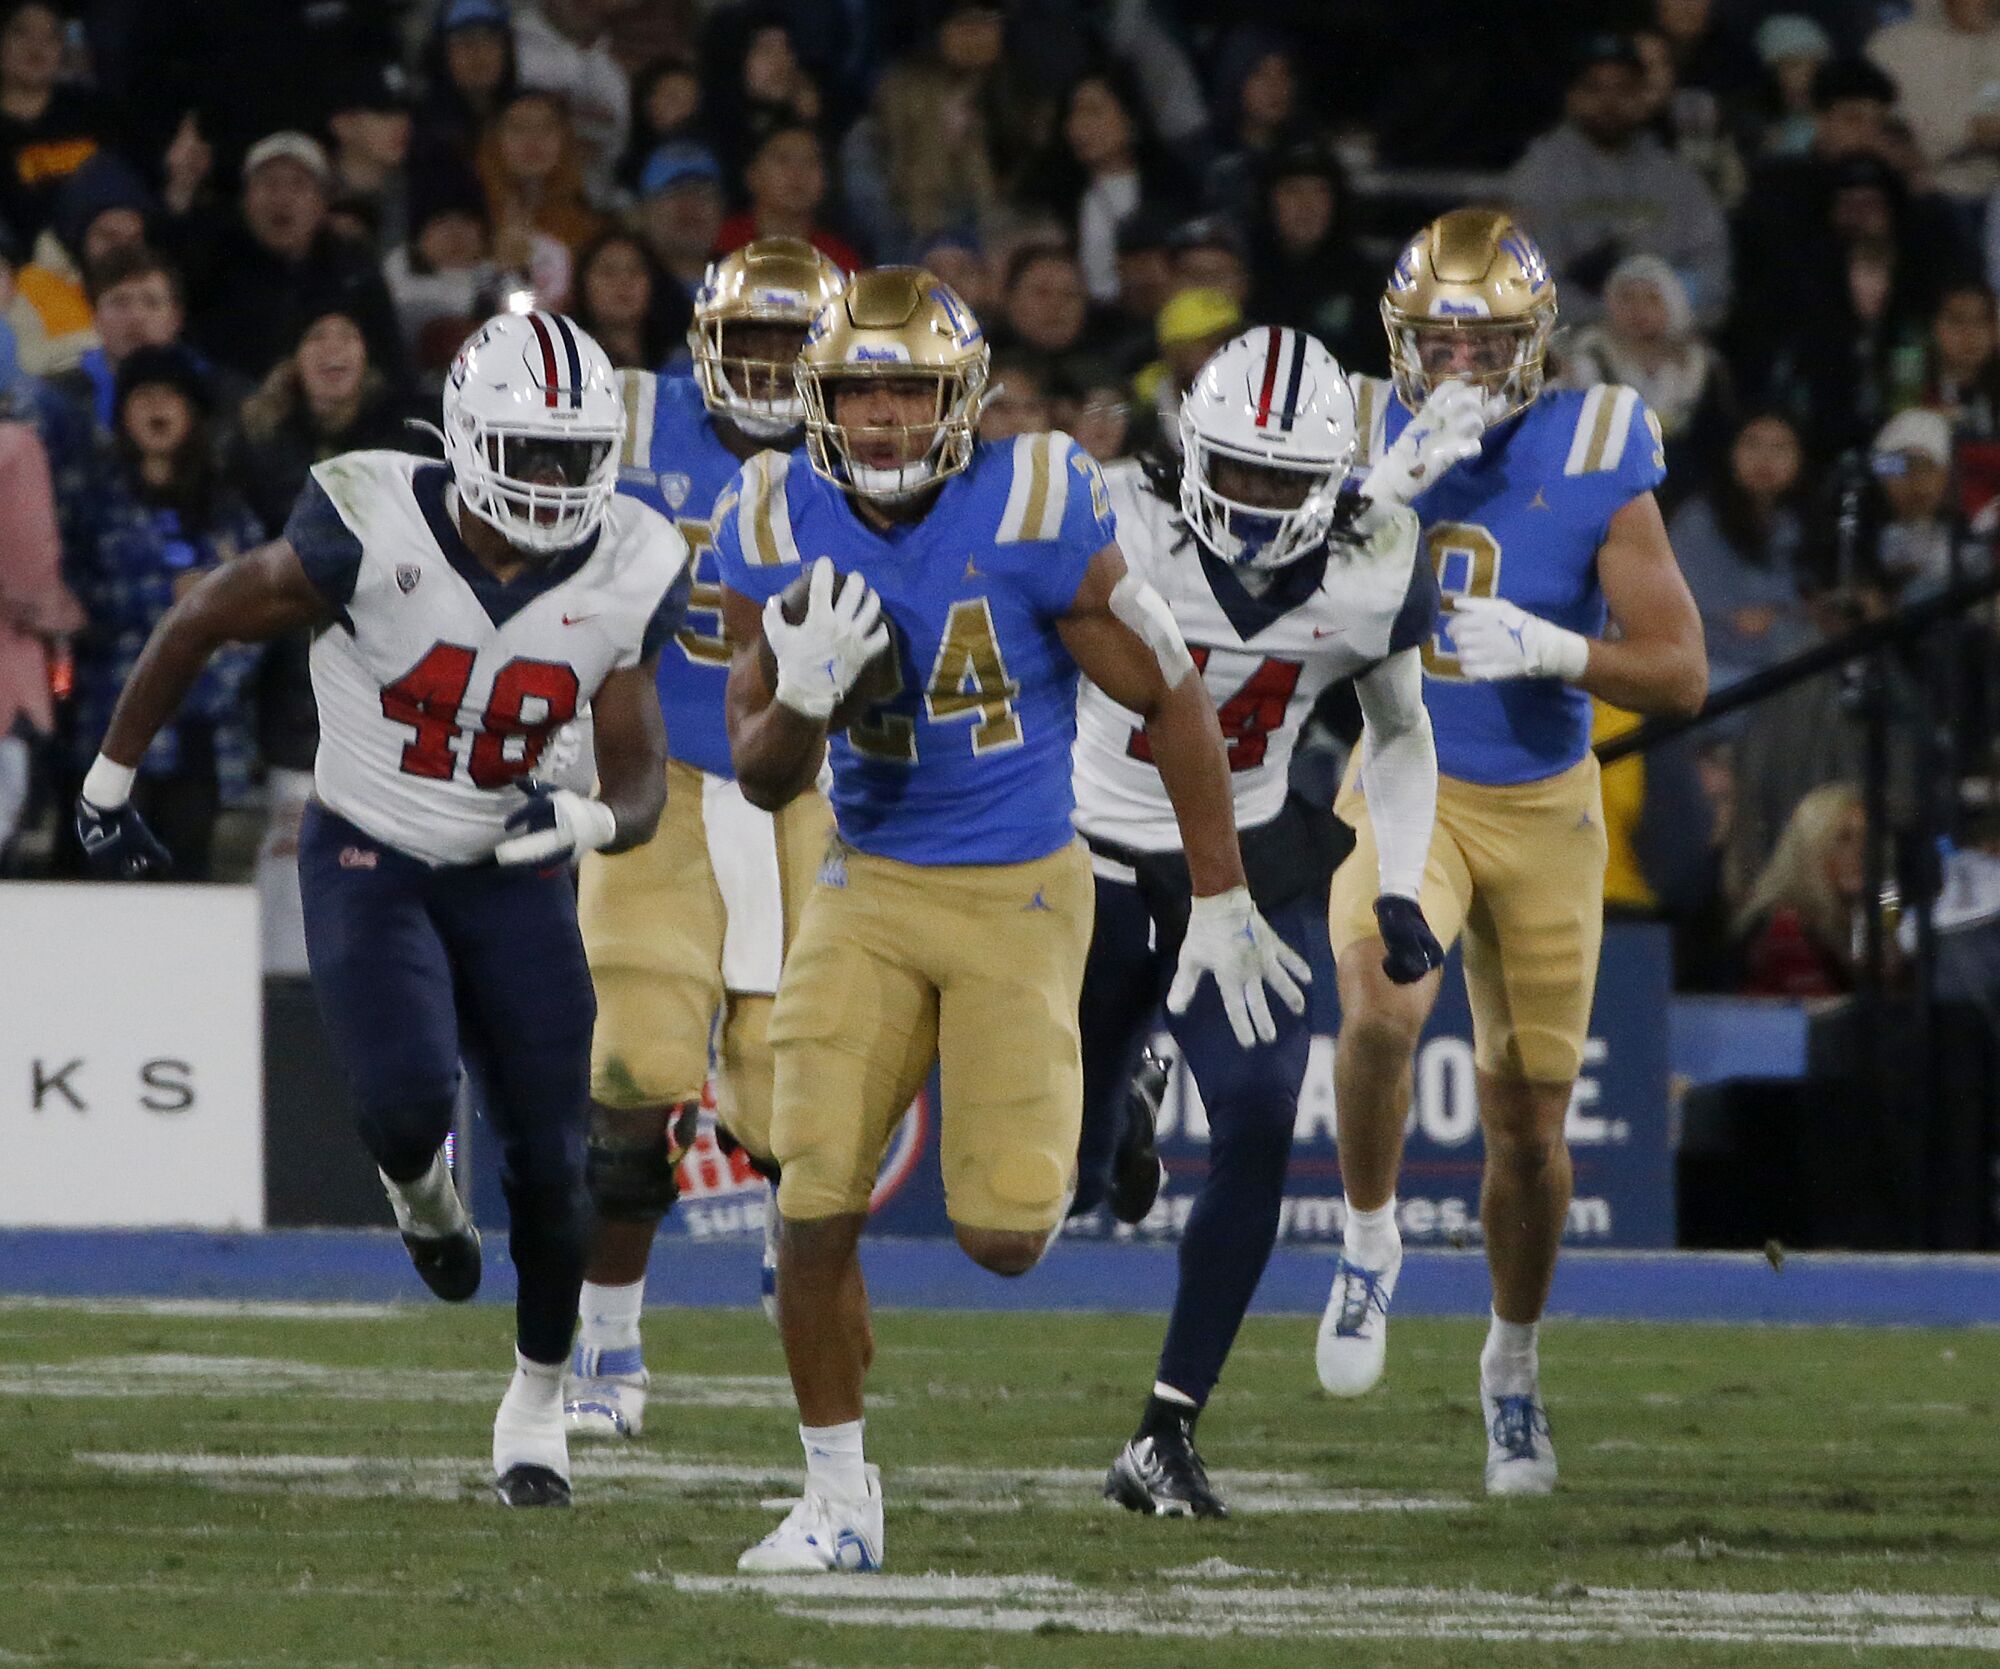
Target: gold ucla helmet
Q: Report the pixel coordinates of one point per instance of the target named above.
(894, 324)
(771, 281)
(1474, 279)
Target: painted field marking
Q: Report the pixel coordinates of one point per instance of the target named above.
(222, 1309)
(1013, 1605)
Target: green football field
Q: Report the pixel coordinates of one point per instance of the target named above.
(198, 1484)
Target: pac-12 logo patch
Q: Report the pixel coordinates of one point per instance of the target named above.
(407, 575)
(674, 488)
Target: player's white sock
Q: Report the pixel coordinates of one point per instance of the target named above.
(1371, 1238)
(1509, 1363)
(610, 1316)
(528, 1430)
(429, 1206)
(834, 1463)
(1166, 1393)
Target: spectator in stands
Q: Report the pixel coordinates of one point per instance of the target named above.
(1257, 112)
(755, 83)
(103, 206)
(667, 105)
(787, 184)
(1703, 54)
(1791, 49)
(561, 47)
(1102, 422)
(924, 158)
(1799, 925)
(1648, 341)
(1687, 120)
(1102, 164)
(136, 302)
(1918, 536)
(962, 262)
(38, 613)
(48, 128)
(1943, 62)
(1019, 403)
(530, 166)
(1962, 372)
(1208, 254)
(626, 300)
(1191, 326)
(163, 519)
(681, 210)
(470, 74)
(1599, 187)
(1308, 274)
(1145, 281)
(444, 281)
(1045, 319)
(371, 128)
(1740, 547)
(257, 283)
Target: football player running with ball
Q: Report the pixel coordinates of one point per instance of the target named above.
(463, 613)
(1283, 581)
(695, 923)
(952, 914)
(1546, 539)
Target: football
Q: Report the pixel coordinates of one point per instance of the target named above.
(880, 679)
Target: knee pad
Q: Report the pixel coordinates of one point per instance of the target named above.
(632, 1157)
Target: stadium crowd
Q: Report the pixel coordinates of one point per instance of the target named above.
(239, 236)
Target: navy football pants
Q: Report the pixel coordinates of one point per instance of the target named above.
(418, 968)
(1251, 1097)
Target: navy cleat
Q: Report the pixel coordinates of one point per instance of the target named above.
(532, 1486)
(1162, 1473)
(1136, 1172)
(448, 1263)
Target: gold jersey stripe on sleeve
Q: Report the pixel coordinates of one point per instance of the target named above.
(1601, 425)
(1038, 495)
(1013, 517)
(778, 505)
(1621, 428)
(638, 389)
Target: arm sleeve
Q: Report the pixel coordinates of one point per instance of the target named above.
(1088, 525)
(328, 550)
(1399, 769)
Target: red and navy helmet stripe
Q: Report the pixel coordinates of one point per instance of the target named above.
(1277, 344)
(551, 377)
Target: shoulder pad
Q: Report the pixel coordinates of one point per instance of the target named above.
(1038, 491)
(1603, 423)
(764, 515)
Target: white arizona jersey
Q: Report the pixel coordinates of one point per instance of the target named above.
(439, 686)
(1265, 658)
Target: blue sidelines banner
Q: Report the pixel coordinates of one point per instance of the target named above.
(1618, 1130)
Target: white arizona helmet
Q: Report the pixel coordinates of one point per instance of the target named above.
(531, 396)
(1272, 413)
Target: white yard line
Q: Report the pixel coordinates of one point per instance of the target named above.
(221, 1309)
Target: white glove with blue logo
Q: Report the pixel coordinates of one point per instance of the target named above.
(820, 657)
(1230, 940)
(1495, 639)
(1446, 432)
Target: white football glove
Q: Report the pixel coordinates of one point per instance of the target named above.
(1229, 939)
(820, 657)
(1444, 433)
(1495, 639)
(554, 825)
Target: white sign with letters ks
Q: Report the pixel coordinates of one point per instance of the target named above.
(131, 1056)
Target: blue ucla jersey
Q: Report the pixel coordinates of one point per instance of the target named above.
(675, 462)
(969, 763)
(1524, 520)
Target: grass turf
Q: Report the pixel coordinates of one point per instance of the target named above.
(145, 1522)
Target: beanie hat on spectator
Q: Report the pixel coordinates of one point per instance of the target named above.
(107, 181)
(289, 146)
(674, 164)
(1650, 269)
(1307, 157)
(446, 186)
(1148, 227)
(1193, 314)
(474, 14)
(174, 367)
(1917, 430)
(1606, 48)
(1851, 77)
(362, 85)
(1789, 35)
(1208, 231)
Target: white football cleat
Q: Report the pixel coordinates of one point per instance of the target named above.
(767, 1273)
(1520, 1457)
(1353, 1339)
(823, 1535)
(604, 1393)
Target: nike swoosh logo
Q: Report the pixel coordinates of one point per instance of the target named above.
(1327, 631)
(577, 619)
